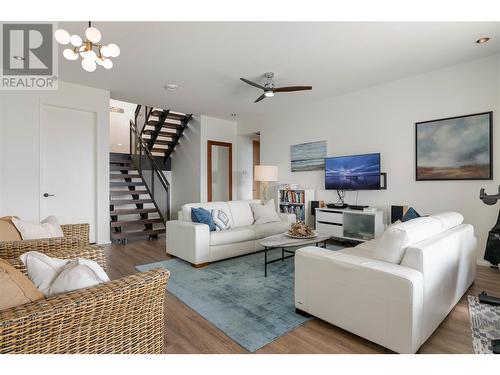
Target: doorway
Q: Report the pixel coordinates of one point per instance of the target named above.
(68, 165)
(219, 169)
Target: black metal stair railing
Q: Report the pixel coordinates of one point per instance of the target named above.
(154, 179)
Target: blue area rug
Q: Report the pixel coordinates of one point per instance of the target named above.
(235, 296)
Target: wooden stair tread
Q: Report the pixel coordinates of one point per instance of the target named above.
(149, 232)
(161, 134)
(121, 168)
(125, 183)
(133, 211)
(162, 142)
(115, 224)
(168, 125)
(156, 149)
(123, 175)
(128, 192)
(118, 202)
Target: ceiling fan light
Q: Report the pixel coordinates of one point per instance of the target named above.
(62, 36)
(75, 40)
(107, 64)
(69, 54)
(114, 50)
(268, 93)
(93, 34)
(89, 65)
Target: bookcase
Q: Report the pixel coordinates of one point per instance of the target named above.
(298, 202)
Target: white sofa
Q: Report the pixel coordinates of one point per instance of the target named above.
(395, 305)
(194, 242)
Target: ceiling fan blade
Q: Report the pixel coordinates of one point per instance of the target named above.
(253, 84)
(260, 98)
(292, 88)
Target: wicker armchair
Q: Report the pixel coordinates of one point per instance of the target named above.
(75, 235)
(122, 316)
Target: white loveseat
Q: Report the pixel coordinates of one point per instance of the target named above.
(194, 242)
(395, 305)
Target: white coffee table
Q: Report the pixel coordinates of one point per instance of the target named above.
(282, 241)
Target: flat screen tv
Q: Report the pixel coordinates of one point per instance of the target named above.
(356, 172)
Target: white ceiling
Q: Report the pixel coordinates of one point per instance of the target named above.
(207, 59)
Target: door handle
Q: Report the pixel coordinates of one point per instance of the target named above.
(48, 195)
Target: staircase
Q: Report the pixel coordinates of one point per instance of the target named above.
(139, 190)
(162, 130)
(132, 210)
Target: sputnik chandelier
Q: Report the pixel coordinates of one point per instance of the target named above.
(91, 52)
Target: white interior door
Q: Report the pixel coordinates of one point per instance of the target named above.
(68, 188)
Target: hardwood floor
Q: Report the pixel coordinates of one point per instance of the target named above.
(188, 332)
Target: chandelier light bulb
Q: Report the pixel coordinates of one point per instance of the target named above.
(107, 64)
(89, 65)
(76, 40)
(62, 36)
(105, 51)
(98, 61)
(91, 55)
(69, 54)
(93, 34)
(114, 50)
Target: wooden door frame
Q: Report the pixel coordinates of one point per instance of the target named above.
(255, 184)
(209, 167)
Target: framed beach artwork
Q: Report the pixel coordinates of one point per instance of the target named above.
(308, 156)
(455, 148)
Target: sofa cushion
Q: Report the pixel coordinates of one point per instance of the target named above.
(449, 219)
(269, 229)
(392, 245)
(264, 213)
(53, 276)
(200, 215)
(221, 219)
(232, 235)
(15, 288)
(209, 206)
(8, 231)
(410, 214)
(241, 212)
(48, 228)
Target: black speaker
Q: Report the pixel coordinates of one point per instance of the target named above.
(397, 213)
(314, 205)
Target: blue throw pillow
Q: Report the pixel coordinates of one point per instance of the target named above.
(200, 215)
(410, 214)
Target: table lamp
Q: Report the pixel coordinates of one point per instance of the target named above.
(266, 174)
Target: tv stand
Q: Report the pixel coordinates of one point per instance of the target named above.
(349, 224)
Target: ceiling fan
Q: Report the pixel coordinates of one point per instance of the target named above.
(270, 90)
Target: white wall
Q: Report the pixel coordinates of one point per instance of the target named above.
(119, 126)
(20, 148)
(189, 164)
(382, 119)
(214, 129)
(186, 168)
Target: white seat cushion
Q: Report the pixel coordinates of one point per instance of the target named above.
(364, 249)
(241, 212)
(232, 235)
(186, 209)
(393, 243)
(269, 229)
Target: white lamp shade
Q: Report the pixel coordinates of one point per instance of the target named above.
(113, 50)
(266, 173)
(76, 40)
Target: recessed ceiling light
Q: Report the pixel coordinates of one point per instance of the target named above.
(171, 87)
(18, 57)
(482, 40)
